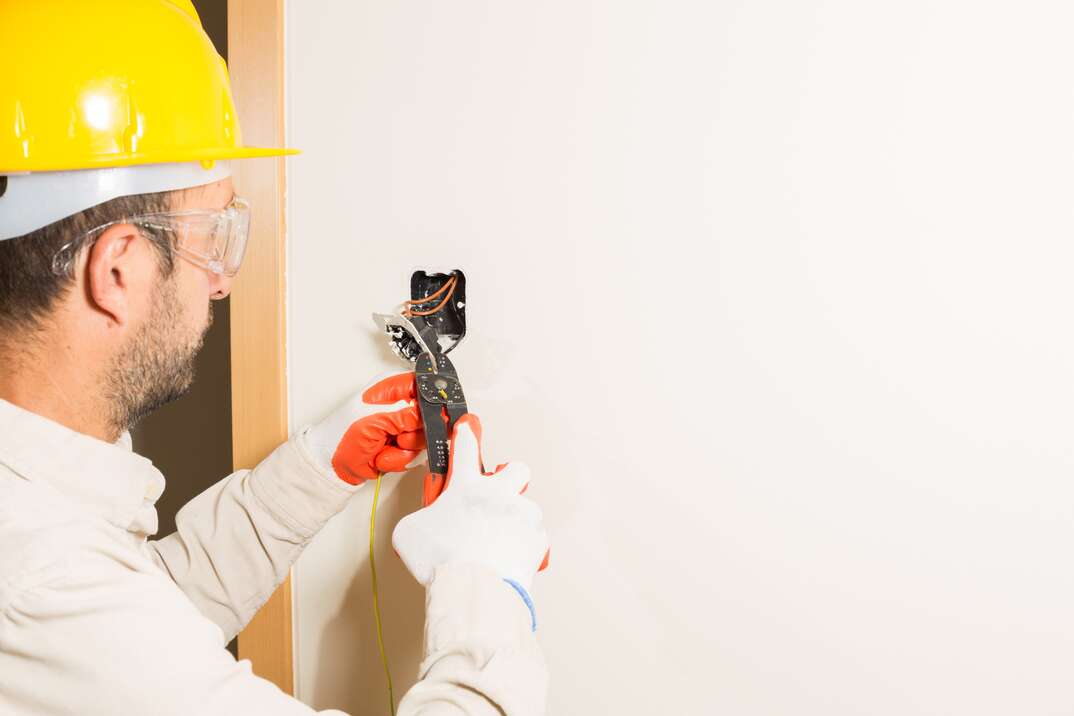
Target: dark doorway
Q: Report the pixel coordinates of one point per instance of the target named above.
(190, 440)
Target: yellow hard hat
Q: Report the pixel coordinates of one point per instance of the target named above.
(96, 84)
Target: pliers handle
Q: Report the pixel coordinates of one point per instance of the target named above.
(442, 402)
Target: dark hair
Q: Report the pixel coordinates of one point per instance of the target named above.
(29, 288)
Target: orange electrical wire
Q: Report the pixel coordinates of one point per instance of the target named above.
(449, 287)
(450, 282)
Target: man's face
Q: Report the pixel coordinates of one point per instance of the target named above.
(156, 364)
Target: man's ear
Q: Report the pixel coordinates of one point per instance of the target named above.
(111, 269)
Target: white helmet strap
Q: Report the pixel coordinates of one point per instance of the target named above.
(33, 201)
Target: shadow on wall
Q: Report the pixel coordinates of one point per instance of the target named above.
(350, 675)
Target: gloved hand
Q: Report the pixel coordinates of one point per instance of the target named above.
(378, 430)
(479, 518)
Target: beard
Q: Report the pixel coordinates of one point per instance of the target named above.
(157, 364)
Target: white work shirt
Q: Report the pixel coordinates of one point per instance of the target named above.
(97, 619)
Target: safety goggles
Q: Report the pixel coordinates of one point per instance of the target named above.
(215, 240)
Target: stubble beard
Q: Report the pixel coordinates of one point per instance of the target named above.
(157, 365)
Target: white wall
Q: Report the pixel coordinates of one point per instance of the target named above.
(774, 297)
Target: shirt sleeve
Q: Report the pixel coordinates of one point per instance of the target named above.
(235, 542)
(103, 638)
(481, 653)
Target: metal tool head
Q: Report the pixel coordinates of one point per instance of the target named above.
(442, 402)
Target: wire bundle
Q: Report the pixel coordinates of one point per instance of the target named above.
(448, 287)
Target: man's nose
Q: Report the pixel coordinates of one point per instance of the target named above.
(220, 287)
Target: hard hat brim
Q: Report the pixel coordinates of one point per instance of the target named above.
(206, 155)
(36, 199)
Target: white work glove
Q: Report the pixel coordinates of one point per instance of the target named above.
(480, 518)
(377, 430)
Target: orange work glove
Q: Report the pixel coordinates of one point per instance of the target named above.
(361, 439)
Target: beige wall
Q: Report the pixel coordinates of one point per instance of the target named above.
(774, 296)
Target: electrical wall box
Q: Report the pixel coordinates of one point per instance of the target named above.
(434, 320)
(450, 322)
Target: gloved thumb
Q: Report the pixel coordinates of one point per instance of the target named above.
(466, 449)
(513, 479)
(389, 388)
(467, 464)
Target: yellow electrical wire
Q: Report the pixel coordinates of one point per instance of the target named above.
(376, 603)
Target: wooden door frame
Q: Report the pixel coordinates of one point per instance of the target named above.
(258, 299)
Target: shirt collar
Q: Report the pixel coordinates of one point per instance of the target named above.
(107, 479)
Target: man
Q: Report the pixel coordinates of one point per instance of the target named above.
(119, 224)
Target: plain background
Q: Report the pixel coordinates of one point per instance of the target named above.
(773, 296)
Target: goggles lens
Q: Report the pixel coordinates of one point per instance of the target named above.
(214, 240)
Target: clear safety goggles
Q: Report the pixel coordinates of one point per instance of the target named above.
(215, 240)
